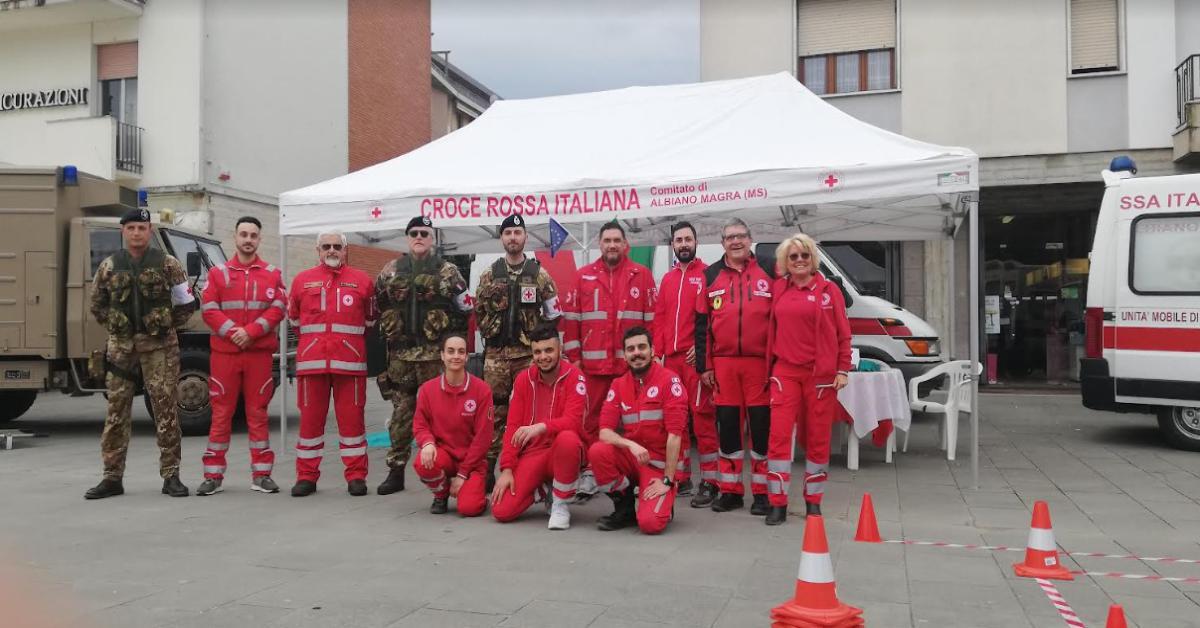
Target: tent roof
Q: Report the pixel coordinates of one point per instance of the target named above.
(764, 148)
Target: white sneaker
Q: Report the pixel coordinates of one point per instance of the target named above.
(587, 483)
(560, 516)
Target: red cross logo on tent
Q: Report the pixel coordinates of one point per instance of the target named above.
(831, 180)
(376, 213)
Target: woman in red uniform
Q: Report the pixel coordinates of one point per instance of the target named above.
(809, 359)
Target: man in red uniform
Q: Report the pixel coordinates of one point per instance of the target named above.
(610, 296)
(541, 436)
(731, 343)
(243, 302)
(332, 304)
(452, 424)
(649, 406)
(675, 345)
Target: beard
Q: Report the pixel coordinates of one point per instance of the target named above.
(639, 371)
(685, 255)
(332, 262)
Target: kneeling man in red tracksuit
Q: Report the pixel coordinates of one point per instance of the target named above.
(649, 406)
(452, 424)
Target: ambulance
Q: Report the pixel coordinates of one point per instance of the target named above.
(1143, 302)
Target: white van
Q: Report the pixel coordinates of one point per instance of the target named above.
(882, 330)
(1143, 303)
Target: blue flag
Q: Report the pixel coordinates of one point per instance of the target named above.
(558, 237)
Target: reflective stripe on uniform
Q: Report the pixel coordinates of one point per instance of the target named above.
(350, 452)
(815, 568)
(217, 446)
(811, 467)
(758, 478)
(595, 355)
(261, 466)
(260, 444)
(708, 475)
(571, 345)
(594, 316)
(729, 478)
(652, 415)
(649, 316)
(779, 466)
(754, 455)
(777, 487)
(263, 322)
(629, 419)
(308, 453)
(312, 329)
(353, 440)
(565, 487)
(630, 315)
(815, 488)
(256, 305)
(733, 455)
(348, 366)
(308, 365)
(348, 329)
(615, 486)
(225, 327)
(658, 464)
(233, 305)
(570, 316)
(279, 304)
(213, 468)
(209, 306)
(708, 458)
(312, 442)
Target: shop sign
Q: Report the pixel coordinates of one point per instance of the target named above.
(16, 101)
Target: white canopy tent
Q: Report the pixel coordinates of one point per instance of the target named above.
(763, 148)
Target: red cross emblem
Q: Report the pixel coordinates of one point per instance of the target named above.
(376, 213)
(831, 180)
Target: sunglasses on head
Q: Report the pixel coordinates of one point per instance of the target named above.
(420, 233)
(327, 246)
(795, 257)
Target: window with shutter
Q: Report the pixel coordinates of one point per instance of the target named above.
(846, 46)
(1095, 36)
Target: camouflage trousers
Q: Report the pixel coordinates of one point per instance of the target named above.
(406, 377)
(500, 368)
(160, 371)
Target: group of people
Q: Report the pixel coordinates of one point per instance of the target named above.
(602, 391)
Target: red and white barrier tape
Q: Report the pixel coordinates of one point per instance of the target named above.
(1138, 576)
(1005, 548)
(1060, 604)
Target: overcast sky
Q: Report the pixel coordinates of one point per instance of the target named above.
(529, 48)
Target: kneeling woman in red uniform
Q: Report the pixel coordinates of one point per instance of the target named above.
(810, 360)
(453, 425)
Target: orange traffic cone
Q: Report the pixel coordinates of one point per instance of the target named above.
(868, 528)
(815, 604)
(1116, 617)
(1041, 552)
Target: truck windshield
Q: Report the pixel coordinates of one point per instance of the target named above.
(181, 244)
(105, 241)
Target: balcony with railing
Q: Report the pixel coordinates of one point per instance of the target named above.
(129, 147)
(1187, 109)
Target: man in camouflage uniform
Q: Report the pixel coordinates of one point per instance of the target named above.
(141, 295)
(420, 297)
(515, 296)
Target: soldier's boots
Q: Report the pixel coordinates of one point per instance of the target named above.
(439, 506)
(357, 488)
(264, 484)
(705, 496)
(727, 501)
(623, 514)
(173, 487)
(210, 486)
(394, 482)
(106, 488)
(760, 506)
(304, 488)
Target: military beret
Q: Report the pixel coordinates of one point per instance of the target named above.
(136, 215)
(514, 220)
(418, 221)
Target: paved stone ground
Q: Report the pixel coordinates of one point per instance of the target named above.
(245, 559)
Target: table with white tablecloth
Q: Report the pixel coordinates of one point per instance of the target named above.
(869, 398)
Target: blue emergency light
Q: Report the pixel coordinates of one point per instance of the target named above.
(1122, 163)
(70, 175)
(143, 197)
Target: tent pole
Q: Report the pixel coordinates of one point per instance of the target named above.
(283, 348)
(953, 296)
(974, 310)
(587, 251)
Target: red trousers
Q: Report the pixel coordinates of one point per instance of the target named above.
(597, 391)
(799, 408)
(471, 498)
(559, 465)
(704, 421)
(247, 374)
(616, 469)
(742, 398)
(349, 397)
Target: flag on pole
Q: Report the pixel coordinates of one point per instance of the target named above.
(558, 237)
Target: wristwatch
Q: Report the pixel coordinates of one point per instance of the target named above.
(667, 482)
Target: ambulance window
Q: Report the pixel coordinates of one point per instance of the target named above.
(1164, 255)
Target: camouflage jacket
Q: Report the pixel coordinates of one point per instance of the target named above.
(142, 302)
(512, 302)
(418, 301)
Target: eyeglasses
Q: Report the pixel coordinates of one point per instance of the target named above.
(735, 236)
(327, 246)
(795, 257)
(420, 233)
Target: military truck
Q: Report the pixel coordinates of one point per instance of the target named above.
(58, 225)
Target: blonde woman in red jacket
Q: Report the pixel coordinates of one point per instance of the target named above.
(809, 361)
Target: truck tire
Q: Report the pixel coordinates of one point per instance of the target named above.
(14, 403)
(194, 409)
(1180, 426)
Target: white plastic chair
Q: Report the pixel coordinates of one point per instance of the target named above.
(958, 399)
(847, 433)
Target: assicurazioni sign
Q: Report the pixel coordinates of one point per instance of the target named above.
(15, 101)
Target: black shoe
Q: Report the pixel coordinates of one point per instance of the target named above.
(685, 488)
(304, 488)
(357, 488)
(173, 487)
(491, 481)
(106, 488)
(760, 506)
(812, 509)
(777, 515)
(439, 506)
(394, 482)
(727, 501)
(623, 514)
(705, 496)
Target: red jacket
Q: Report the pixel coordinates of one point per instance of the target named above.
(675, 308)
(332, 308)
(647, 411)
(457, 419)
(733, 313)
(560, 407)
(832, 333)
(249, 296)
(601, 306)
